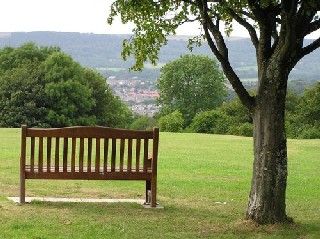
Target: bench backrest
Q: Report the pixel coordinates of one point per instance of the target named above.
(89, 149)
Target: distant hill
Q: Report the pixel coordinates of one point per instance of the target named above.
(102, 52)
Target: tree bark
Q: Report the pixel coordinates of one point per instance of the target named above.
(268, 187)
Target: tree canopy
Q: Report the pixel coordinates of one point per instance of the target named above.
(191, 84)
(42, 86)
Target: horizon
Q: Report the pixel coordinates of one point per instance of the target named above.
(82, 16)
(311, 37)
(4, 34)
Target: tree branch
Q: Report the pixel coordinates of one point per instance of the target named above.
(245, 24)
(214, 28)
(247, 14)
(313, 26)
(222, 55)
(288, 32)
(310, 48)
(256, 10)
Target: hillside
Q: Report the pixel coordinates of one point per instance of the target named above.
(102, 52)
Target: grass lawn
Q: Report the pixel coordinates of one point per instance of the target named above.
(203, 184)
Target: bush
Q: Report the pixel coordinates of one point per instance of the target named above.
(310, 132)
(303, 114)
(245, 129)
(143, 122)
(210, 122)
(172, 122)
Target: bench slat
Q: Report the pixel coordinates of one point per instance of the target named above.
(97, 159)
(122, 145)
(113, 155)
(77, 170)
(138, 145)
(105, 154)
(89, 132)
(40, 156)
(145, 155)
(129, 155)
(81, 154)
(65, 154)
(48, 154)
(89, 154)
(116, 175)
(56, 160)
(73, 154)
(32, 152)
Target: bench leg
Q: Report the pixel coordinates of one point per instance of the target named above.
(153, 193)
(148, 192)
(22, 189)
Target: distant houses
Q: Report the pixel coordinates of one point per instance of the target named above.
(138, 94)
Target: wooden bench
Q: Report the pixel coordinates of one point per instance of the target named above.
(90, 153)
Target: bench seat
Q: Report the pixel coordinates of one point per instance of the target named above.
(74, 173)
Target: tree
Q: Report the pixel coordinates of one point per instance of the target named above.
(43, 87)
(191, 84)
(22, 97)
(277, 30)
(69, 98)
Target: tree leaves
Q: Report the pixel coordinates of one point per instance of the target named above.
(191, 84)
(154, 21)
(44, 87)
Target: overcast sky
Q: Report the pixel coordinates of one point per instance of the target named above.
(57, 15)
(86, 16)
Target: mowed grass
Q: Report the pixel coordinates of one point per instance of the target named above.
(203, 184)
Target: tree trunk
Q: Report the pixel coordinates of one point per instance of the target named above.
(268, 187)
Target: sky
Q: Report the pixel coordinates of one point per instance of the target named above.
(85, 16)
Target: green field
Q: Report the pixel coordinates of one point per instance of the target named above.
(203, 184)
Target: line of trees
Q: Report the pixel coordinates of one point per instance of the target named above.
(44, 87)
(302, 117)
(193, 98)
